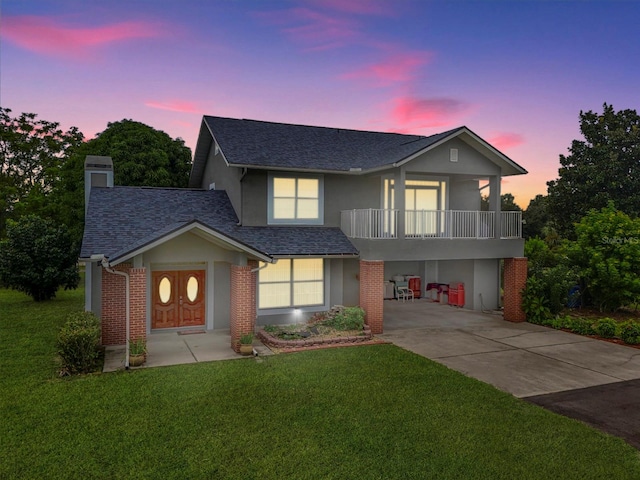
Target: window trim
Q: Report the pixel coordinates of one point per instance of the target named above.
(294, 221)
(287, 309)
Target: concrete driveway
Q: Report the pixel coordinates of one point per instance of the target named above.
(520, 358)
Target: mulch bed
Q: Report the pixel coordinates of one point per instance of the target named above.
(314, 342)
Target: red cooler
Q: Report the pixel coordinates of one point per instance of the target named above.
(456, 294)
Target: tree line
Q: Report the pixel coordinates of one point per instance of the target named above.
(42, 191)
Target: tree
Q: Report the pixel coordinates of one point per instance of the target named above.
(32, 152)
(142, 156)
(535, 218)
(603, 167)
(38, 257)
(507, 203)
(607, 255)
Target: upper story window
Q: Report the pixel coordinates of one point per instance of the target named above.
(295, 199)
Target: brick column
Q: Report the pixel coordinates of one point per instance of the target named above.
(372, 293)
(113, 314)
(515, 279)
(138, 303)
(243, 302)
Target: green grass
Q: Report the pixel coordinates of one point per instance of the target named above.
(350, 413)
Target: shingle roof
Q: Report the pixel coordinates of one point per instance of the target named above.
(121, 220)
(280, 145)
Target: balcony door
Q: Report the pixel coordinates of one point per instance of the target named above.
(422, 204)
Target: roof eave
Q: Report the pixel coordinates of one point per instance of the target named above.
(127, 254)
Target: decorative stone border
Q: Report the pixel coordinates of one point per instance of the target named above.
(275, 342)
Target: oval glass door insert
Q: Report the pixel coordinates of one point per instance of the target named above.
(192, 288)
(164, 290)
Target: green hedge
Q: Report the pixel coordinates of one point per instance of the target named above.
(79, 343)
(629, 331)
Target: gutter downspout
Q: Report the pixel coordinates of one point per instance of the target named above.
(107, 267)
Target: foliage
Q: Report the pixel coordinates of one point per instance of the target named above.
(607, 256)
(137, 346)
(37, 258)
(79, 343)
(550, 279)
(606, 327)
(347, 318)
(581, 326)
(534, 303)
(630, 332)
(535, 218)
(246, 339)
(507, 203)
(601, 168)
(32, 152)
(142, 156)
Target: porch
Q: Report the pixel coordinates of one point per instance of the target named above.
(176, 348)
(379, 223)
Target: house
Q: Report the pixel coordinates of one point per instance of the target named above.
(283, 220)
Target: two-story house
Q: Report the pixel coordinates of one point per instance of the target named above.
(282, 220)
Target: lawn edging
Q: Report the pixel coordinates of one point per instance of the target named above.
(366, 338)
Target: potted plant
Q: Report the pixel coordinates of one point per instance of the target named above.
(137, 352)
(246, 344)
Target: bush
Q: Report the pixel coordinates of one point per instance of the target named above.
(606, 327)
(581, 326)
(38, 257)
(534, 303)
(346, 318)
(79, 343)
(630, 333)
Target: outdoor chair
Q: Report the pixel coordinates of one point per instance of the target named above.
(403, 292)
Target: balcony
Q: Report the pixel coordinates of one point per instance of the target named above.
(375, 224)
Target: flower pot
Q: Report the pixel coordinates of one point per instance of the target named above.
(136, 360)
(246, 349)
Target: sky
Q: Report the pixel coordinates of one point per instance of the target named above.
(517, 73)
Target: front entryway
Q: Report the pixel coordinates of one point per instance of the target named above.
(178, 299)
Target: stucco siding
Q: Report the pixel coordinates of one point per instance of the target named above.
(225, 178)
(221, 295)
(437, 161)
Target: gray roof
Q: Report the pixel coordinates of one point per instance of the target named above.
(258, 144)
(122, 220)
(280, 145)
(270, 145)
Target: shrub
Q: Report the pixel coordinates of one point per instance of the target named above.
(37, 257)
(630, 333)
(79, 343)
(561, 321)
(606, 327)
(534, 303)
(346, 318)
(581, 326)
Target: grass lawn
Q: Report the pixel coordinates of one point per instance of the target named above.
(350, 413)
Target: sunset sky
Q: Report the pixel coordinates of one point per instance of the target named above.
(517, 73)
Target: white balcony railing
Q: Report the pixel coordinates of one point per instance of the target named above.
(383, 224)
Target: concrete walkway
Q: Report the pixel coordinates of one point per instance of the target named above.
(520, 358)
(170, 348)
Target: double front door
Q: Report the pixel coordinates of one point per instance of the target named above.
(178, 298)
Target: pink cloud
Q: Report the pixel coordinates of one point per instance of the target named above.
(506, 140)
(359, 7)
(46, 36)
(320, 31)
(411, 113)
(175, 106)
(398, 68)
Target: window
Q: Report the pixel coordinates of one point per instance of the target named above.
(295, 199)
(294, 282)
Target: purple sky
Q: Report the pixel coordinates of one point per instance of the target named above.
(516, 73)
